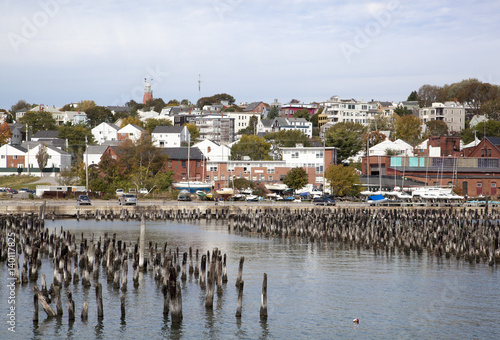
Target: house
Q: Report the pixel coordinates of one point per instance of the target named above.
(452, 113)
(170, 136)
(265, 126)
(288, 110)
(105, 132)
(255, 108)
(242, 119)
(213, 151)
(216, 128)
(18, 133)
(390, 148)
(300, 124)
(488, 147)
(131, 131)
(45, 134)
(476, 119)
(94, 153)
(182, 158)
(12, 157)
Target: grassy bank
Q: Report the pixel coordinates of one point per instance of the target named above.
(18, 182)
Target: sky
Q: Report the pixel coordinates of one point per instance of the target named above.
(55, 52)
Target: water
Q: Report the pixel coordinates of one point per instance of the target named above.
(314, 292)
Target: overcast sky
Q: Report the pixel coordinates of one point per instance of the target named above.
(60, 51)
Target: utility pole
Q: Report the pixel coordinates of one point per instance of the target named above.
(86, 166)
(27, 140)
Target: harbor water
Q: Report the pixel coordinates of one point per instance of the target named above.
(315, 290)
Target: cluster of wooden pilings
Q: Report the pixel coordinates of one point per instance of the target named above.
(84, 263)
(151, 214)
(472, 235)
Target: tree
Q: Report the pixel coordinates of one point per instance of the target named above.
(491, 109)
(381, 123)
(413, 96)
(374, 138)
(85, 105)
(233, 108)
(314, 120)
(130, 120)
(347, 137)
(5, 133)
(274, 112)
(41, 120)
(343, 180)
(242, 183)
(490, 128)
(408, 128)
(21, 104)
(186, 102)
(97, 115)
(215, 99)
(403, 111)
(427, 94)
(151, 123)
(288, 138)
(42, 157)
(436, 128)
(156, 104)
(303, 113)
(173, 102)
(294, 101)
(296, 178)
(251, 128)
(251, 146)
(75, 134)
(476, 93)
(194, 132)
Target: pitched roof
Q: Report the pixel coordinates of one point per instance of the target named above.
(181, 153)
(168, 129)
(252, 106)
(494, 140)
(46, 134)
(267, 122)
(97, 149)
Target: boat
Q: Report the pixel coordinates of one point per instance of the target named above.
(203, 195)
(252, 198)
(192, 186)
(225, 191)
(376, 199)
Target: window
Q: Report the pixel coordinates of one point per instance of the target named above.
(319, 169)
(270, 170)
(270, 178)
(3, 156)
(489, 152)
(183, 175)
(183, 164)
(169, 164)
(198, 164)
(15, 156)
(482, 152)
(319, 154)
(479, 185)
(213, 168)
(295, 154)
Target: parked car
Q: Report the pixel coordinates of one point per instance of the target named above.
(119, 192)
(184, 195)
(127, 199)
(323, 201)
(143, 191)
(83, 200)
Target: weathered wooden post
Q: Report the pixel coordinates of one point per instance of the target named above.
(57, 292)
(124, 273)
(122, 303)
(203, 273)
(98, 296)
(35, 305)
(224, 270)
(240, 299)
(85, 311)
(142, 241)
(46, 307)
(263, 300)
(71, 307)
(240, 271)
(209, 301)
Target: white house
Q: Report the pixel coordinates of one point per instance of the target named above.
(300, 124)
(242, 119)
(58, 160)
(131, 131)
(170, 136)
(399, 146)
(265, 126)
(105, 132)
(214, 152)
(94, 154)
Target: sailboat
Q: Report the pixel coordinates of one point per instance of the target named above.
(192, 186)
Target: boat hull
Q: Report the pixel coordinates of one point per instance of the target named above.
(192, 187)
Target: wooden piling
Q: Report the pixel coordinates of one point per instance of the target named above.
(85, 311)
(240, 299)
(240, 271)
(263, 300)
(142, 240)
(46, 307)
(98, 296)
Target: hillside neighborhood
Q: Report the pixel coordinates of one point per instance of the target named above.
(429, 139)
